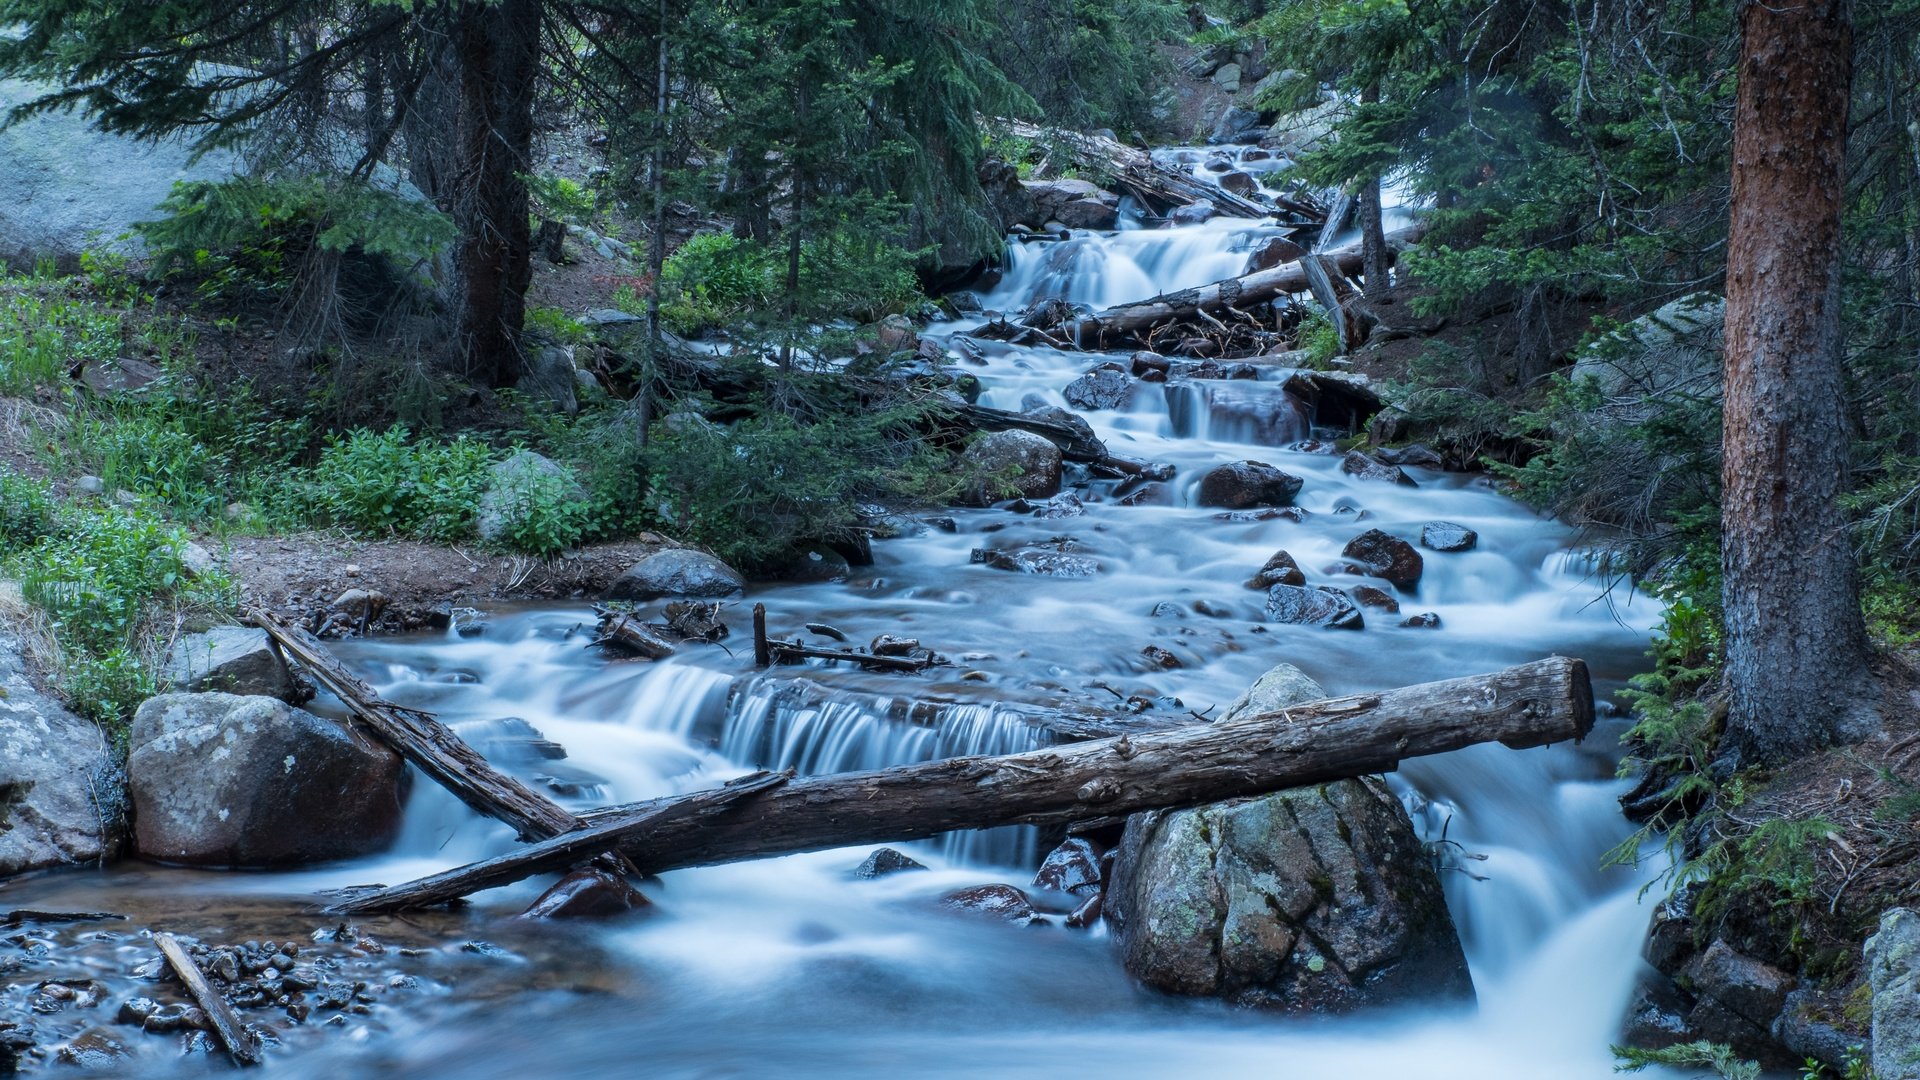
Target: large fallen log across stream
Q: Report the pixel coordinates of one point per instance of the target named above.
(1532, 705)
(1161, 187)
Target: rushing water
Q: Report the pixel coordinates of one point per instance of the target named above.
(790, 967)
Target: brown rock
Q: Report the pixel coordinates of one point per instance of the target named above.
(587, 893)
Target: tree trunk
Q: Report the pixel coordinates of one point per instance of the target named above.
(657, 242)
(499, 55)
(1539, 703)
(1795, 640)
(1374, 256)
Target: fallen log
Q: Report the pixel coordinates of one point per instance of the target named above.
(424, 741)
(1131, 321)
(1532, 705)
(239, 1042)
(624, 630)
(1161, 187)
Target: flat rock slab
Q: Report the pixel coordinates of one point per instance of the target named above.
(60, 791)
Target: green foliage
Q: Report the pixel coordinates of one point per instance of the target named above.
(1776, 863)
(47, 326)
(541, 512)
(1320, 339)
(104, 574)
(717, 280)
(561, 199)
(389, 483)
(554, 324)
(26, 512)
(1711, 1055)
(1089, 63)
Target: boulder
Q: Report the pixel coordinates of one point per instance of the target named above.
(1317, 899)
(1360, 466)
(885, 861)
(677, 572)
(1447, 536)
(1060, 559)
(1383, 555)
(231, 781)
(1236, 125)
(1747, 987)
(60, 783)
(1426, 620)
(1675, 350)
(516, 481)
(233, 660)
(1105, 387)
(1272, 252)
(1056, 414)
(1241, 485)
(1227, 78)
(69, 188)
(1279, 569)
(1299, 605)
(551, 378)
(1077, 204)
(1240, 183)
(1194, 213)
(1369, 597)
(999, 901)
(1893, 959)
(1281, 686)
(1073, 867)
(1031, 463)
(1300, 133)
(1415, 454)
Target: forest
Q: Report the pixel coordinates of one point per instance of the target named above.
(1377, 536)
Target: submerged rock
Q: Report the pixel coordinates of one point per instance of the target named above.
(1242, 485)
(60, 788)
(1073, 867)
(1369, 597)
(1360, 466)
(224, 780)
(1000, 901)
(1052, 560)
(677, 572)
(1447, 536)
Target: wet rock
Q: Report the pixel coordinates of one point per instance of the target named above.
(60, 789)
(1385, 556)
(1145, 365)
(1076, 204)
(1360, 466)
(517, 483)
(95, 1049)
(1240, 183)
(135, 1010)
(1030, 463)
(815, 566)
(677, 572)
(1893, 960)
(1317, 899)
(1279, 569)
(1073, 867)
(1295, 514)
(1447, 536)
(885, 861)
(1319, 606)
(1160, 657)
(1105, 387)
(999, 901)
(1426, 620)
(1657, 1016)
(231, 659)
(1236, 125)
(1056, 414)
(1194, 213)
(1415, 454)
(223, 780)
(889, 645)
(1804, 1035)
(1670, 937)
(1369, 597)
(1273, 251)
(1281, 686)
(585, 893)
(1057, 559)
(1240, 485)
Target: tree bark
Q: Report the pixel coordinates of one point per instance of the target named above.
(1160, 187)
(1375, 257)
(1539, 703)
(499, 56)
(1795, 639)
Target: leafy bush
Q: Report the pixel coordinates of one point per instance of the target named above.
(48, 326)
(26, 512)
(716, 279)
(541, 514)
(388, 483)
(561, 199)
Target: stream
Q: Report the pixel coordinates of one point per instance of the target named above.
(792, 967)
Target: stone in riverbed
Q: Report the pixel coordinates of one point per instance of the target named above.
(885, 861)
(1281, 686)
(1426, 620)
(1241, 485)
(1073, 867)
(1030, 463)
(229, 781)
(1369, 597)
(1383, 555)
(1051, 560)
(586, 893)
(1000, 901)
(677, 572)
(1320, 606)
(1105, 387)
(1362, 467)
(1447, 536)
(1280, 569)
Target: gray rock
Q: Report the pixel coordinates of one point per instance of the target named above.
(1804, 1034)
(1101, 388)
(1240, 183)
(516, 479)
(1672, 351)
(1077, 204)
(550, 378)
(61, 797)
(886, 861)
(1054, 413)
(1317, 899)
(677, 572)
(1281, 686)
(69, 188)
(1299, 605)
(1447, 536)
(230, 659)
(1236, 125)
(1227, 78)
(1362, 467)
(1032, 461)
(1194, 213)
(224, 780)
(1272, 252)
(1304, 131)
(1240, 485)
(90, 485)
(1047, 560)
(1893, 958)
(1749, 988)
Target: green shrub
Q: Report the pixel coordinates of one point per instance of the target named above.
(46, 328)
(388, 483)
(716, 280)
(542, 514)
(26, 512)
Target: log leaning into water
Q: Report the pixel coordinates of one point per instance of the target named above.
(1532, 705)
(235, 1037)
(424, 741)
